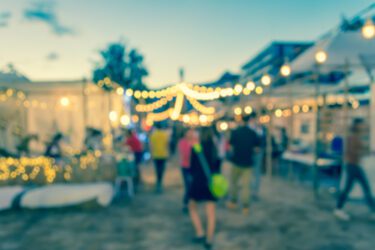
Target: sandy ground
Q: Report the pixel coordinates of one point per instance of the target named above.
(286, 217)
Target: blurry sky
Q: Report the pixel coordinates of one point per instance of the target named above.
(49, 40)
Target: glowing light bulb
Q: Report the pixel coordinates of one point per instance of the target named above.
(285, 70)
(237, 111)
(129, 92)
(355, 104)
(296, 109)
(321, 56)
(250, 85)
(266, 80)
(259, 90)
(223, 126)
(120, 91)
(113, 116)
(125, 120)
(203, 118)
(64, 101)
(368, 30)
(186, 118)
(238, 88)
(278, 113)
(137, 94)
(248, 109)
(305, 108)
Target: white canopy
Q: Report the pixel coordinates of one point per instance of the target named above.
(344, 46)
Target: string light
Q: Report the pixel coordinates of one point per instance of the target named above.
(305, 108)
(355, 104)
(203, 119)
(200, 107)
(125, 120)
(296, 109)
(186, 118)
(248, 109)
(135, 118)
(278, 113)
(238, 89)
(178, 106)
(161, 116)
(246, 91)
(120, 91)
(64, 101)
(151, 106)
(137, 94)
(237, 111)
(198, 95)
(259, 90)
(321, 56)
(368, 30)
(223, 126)
(129, 92)
(250, 85)
(113, 116)
(29, 169)
(285, 70)
(266, 80)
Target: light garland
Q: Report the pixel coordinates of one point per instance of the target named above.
(151, 106)
(29, 169)
(161, 116)
(11, 168)
(204, 96)
(178, 106)
(200, 107)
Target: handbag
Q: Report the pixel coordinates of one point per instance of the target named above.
(217, 183)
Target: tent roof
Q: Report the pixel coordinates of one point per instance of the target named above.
(348, 46)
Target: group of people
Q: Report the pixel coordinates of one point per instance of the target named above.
(243, 149)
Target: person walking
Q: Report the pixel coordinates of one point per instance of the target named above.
(184, 150)
(159, 143)
(244, 142)
(354, 150)
(136, 147)
(199, 189)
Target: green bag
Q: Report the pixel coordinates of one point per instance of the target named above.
(217, 183)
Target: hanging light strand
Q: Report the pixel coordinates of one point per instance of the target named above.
(200, 107)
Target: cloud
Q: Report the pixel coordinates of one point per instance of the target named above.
(4, 18)
(52, 56)
(45, 12)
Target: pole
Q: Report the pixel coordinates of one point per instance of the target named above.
(346, 112)
(269, 138)
(316, 136)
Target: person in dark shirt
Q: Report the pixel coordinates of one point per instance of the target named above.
(199, 188)
(354, 150)
(54, 149)
(244, 141)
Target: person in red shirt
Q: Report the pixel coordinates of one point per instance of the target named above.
(136, 147)
(184, 150)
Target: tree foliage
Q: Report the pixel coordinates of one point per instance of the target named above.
(123, 67)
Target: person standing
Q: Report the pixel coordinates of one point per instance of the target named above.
(199, 189)
(243, 143)
(54, 148)
(258, 160)
(136, 147)
(184, 149)
(159, 143)
(354, 150)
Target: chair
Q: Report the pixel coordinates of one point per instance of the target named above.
(125, 173)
